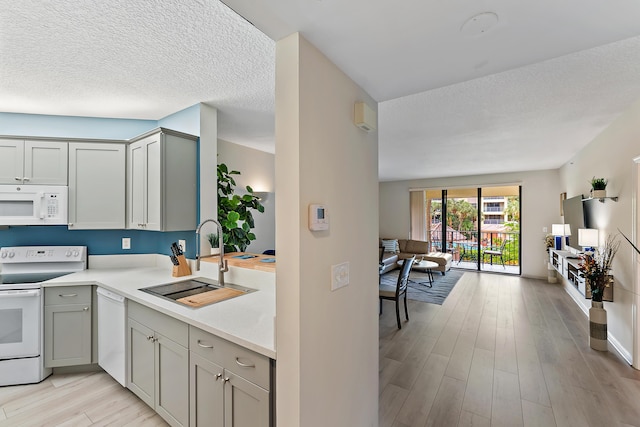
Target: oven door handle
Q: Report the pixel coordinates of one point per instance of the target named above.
(20, 293)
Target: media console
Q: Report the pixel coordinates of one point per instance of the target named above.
(567, 264)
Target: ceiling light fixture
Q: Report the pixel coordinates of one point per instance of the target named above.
(479, 24)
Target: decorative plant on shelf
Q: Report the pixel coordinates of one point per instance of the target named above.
(599, 183)
(595, 268)
(234, 211)
(549, 241)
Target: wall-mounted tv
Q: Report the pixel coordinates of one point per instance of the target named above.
(577, 213)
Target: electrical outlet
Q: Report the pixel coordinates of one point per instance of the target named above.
(126, 243)
(183, 245)
(339, 275)
(545, 229)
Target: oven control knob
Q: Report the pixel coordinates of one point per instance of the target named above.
(4, 254)
(68, 253)
(12, 254)
(76, 253)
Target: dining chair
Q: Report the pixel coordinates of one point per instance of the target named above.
(495, 251)
(394, 293)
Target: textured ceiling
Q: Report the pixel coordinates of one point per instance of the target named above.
(138, 59)
(525, 94)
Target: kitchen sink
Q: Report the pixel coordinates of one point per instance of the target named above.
(197, 292)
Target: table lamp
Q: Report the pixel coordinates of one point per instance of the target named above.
(588, 238)
(560, 231)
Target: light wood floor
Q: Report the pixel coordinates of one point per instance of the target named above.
(501, 351)
(93, 399)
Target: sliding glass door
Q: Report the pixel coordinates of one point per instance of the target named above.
(479, 227)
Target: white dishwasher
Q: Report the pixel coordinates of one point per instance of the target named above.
(111, 334)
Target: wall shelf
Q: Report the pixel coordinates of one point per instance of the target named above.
(601, 199)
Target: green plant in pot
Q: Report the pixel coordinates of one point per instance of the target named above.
(214, 242)
(235, 211)
(598, 187)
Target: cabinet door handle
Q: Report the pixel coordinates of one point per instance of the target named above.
(218, 376)
(86, 309)
(17, 178)
(244, 365)
(226, 380)
(24, 178)
(204, 345)
(67, 295)
(149, 337)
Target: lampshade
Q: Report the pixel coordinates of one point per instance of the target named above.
(588, 237)
(557, 229)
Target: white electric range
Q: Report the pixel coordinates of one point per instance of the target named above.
(22, 269)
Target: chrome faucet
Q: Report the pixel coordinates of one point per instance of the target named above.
(222, 265)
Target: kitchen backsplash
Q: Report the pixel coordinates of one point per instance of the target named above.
(98, 242)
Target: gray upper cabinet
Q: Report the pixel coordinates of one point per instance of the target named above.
(33, 162)
(97, 185)
(161, 181)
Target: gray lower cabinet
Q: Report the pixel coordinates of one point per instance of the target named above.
(229, 384)
(206, 392)
(67, 326)
(158, 362)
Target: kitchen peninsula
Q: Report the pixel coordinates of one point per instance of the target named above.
(187, 362)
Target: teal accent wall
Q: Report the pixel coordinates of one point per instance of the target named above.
(72, 127)
(187, 120)
(99, 242)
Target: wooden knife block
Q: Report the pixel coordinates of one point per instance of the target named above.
(182, 269)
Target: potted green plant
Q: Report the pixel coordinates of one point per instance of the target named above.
(598, 187)
(214, 242)
(235, 211)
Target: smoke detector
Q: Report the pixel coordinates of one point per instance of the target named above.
(479, 24)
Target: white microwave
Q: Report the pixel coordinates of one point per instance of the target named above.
(33, 204)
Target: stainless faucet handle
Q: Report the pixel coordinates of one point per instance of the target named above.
(224, 266)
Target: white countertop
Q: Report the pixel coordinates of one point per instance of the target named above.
(247, 320)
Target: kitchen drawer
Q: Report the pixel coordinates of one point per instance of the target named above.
(207, 345)
(171, 328)
(248, 364)
(68, 295)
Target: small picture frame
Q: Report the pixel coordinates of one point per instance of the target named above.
(563, 197)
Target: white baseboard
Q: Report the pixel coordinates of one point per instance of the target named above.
(626, 355)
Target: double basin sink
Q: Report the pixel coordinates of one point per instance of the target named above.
(197, 292)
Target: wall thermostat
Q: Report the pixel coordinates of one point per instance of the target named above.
(318, 217)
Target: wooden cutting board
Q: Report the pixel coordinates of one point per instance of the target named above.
(209, 297)
(254, 263)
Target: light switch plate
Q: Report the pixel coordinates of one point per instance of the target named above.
(339, 275)
(183, 245)
(126, 243)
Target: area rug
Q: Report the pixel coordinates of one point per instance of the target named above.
(442, 285)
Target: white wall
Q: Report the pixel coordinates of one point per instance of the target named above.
(257, 170)
(327, 342)
(540, 208)
(611, 155)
